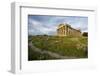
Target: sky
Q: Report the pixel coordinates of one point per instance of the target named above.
(46, 24)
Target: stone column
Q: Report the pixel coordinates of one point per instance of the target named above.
(59, 31)
(68, 30)
(64, 30)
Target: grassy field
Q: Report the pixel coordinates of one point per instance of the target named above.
(65, 46)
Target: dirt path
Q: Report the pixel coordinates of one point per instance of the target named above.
(52, 54)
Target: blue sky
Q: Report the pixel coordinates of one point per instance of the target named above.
(41, 24)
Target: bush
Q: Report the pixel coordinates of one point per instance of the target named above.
(85, 34)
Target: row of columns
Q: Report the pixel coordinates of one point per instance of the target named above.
(62, 31)
(66, 31)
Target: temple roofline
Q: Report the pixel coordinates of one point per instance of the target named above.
(61, 25)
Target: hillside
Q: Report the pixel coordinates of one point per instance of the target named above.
(64, 47)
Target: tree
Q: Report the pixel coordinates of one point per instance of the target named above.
(85, 34)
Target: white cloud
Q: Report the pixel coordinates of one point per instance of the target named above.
(39, 28)
(48, 24)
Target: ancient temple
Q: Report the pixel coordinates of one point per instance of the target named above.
(67, 30)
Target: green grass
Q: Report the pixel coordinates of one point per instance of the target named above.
(32, 55)
(66, 46)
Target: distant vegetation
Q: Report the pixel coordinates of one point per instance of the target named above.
(85, 34)
(65, 46)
